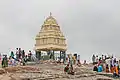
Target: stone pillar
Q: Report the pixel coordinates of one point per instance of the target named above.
(36, 52)
(50, 54)
(53, 55)
(39, 57)
(60, 55)
(64, 56)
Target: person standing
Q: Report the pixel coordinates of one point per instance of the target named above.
(74, 60)
(102, 57)
(5, 61)
(107, 68)
(119, 71)
(71, 60)
(100, 61)
(29, 55)
(13, 61)
(20, 54)
(0, 57)
(24, 60)
(12, 54)
(111, 67)
(85, 62)
(17, 54)
(97, 60)
(117, 68)
(23, 53)
(93, 58)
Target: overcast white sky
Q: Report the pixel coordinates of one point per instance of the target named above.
(90, 26)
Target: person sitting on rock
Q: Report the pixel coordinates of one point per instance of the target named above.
(23, 61)
(78, 63)
(84, 62)
(95, 68)
(66, 69)
(100, 68)
(71, 70)
(107, 68)
(116, 72)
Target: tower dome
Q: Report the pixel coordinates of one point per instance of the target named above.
(50, 21)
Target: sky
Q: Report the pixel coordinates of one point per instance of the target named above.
(90, 26)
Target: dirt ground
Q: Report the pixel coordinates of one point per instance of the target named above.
(49, 71)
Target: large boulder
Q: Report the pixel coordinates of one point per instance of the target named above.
(2, 71)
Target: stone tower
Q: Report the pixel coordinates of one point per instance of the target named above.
(50, 38)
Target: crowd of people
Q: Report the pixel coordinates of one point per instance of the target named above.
(106, 64)
(71, 60)
(16, 58)
(101, 63)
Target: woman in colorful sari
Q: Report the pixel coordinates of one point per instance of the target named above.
(111, 67)
(107, 68)
(115, 73)
(114, 68)
(117, 68)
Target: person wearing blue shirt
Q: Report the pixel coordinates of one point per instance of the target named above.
(100, 68)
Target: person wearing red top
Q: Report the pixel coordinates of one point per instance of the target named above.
(66, 69)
